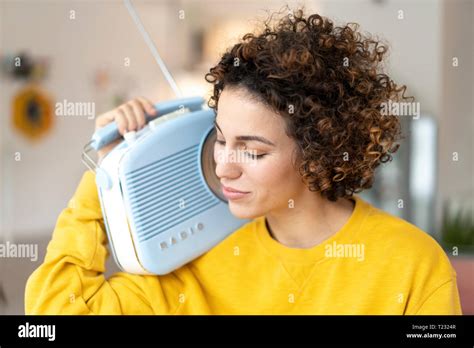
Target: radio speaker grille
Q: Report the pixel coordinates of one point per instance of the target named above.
(167, 192)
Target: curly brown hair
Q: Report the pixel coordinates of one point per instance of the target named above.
(327, 83)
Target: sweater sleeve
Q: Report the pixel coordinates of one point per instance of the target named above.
(71, 278)
(444, 300)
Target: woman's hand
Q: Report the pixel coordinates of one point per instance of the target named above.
(129, 116)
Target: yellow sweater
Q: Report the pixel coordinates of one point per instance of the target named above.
(376, 264)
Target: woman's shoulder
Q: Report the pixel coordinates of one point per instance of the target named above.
(388, 235)
(387, 227)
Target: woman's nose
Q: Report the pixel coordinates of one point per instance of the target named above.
(226, 167)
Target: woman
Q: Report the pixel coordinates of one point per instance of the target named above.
(302, 101)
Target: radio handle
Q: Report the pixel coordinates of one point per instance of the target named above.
(109, 133)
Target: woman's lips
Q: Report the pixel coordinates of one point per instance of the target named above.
(232, 194)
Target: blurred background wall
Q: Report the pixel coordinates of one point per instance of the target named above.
(90, 51)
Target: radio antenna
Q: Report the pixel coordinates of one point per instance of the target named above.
(152, 48)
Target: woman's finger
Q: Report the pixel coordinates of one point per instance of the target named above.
(132, 122)
(147, 106)
(104, 119)
(121, 120)
(139, 113)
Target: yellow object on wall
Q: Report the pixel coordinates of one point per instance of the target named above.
(32, 112)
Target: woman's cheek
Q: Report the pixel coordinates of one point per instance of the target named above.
(264, 172)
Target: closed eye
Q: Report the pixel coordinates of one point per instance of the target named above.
(247, 153)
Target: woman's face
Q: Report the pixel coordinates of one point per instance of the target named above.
(253, 154)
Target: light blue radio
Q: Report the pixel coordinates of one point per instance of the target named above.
(161, 200)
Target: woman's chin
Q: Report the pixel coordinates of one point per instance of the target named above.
(242, 211)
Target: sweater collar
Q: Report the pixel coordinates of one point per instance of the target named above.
(346, 235)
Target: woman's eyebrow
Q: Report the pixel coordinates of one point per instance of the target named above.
(249, 137)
